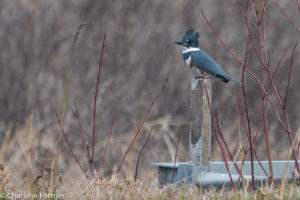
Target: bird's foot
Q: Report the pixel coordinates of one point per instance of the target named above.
(200, 77)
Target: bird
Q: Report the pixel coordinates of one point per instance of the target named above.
(199, 61)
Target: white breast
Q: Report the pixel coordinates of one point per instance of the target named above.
(188, 61)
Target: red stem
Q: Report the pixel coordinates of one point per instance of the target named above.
(138, 160)
(272, 26)
(217, 138)
(285, 112)
(267, 140)
(292, 142)
(253, 43)
(241, 113)
(249, 72)
(158, 178)
(95, 101)
(249, 127)
(258, 160)
(107, 142)
(272, 82)
(289, 77)
(87, 154)
(175, 159)
(227, 149)
(288, 18)
(69, 145)
(141, 125)
(256, 134)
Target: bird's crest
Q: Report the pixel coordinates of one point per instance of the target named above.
(192, 36)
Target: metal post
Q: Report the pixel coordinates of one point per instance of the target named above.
(200, 124)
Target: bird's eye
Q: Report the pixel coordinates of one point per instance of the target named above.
(187, 41)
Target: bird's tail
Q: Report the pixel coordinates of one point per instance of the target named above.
(237, 82)
(226, 78)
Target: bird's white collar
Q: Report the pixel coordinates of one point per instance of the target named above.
(186, 50)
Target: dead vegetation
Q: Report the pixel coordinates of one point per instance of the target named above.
(36, 44)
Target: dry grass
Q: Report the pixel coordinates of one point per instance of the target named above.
(35, 45)
(116, 188)
(35, 79)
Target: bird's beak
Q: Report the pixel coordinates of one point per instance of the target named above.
(179, 43)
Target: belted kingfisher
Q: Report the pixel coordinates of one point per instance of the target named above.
(199, 61)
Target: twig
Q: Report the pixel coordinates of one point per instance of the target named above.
(289, 77)
(288, 18)
(175, 159)
(272, 82)
(138, 160)
(141, 125)
(82, 133)
(69, 145)
(217, 138)
(241, 112)
(65, 101)
(226, 146)
(246, 69)
(249, 126)
(267, 140)
(258, 160)
(286, 116)
(253, 43)
(95, 102)
(272, 26)
(158, 177)
(107, 142)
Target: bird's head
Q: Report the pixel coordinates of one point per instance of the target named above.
(190, 39)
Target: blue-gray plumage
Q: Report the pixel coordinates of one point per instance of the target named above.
(200, 61)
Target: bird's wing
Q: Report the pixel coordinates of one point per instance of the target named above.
(204, 62)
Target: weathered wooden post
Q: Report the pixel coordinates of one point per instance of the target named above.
(200, 124)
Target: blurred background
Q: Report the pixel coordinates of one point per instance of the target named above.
(35, 46)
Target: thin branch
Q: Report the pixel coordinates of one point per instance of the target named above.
(263, 13)
(258, 160)
(291, 140)
(273, 25)
(246, 69)
(288, 18)
(158, 177)
(65, 101)
(175, 159)
(217, 138)
(107, 142)
(255, 11)
(253, 43)
(267, 140)
(227, 149)
(75, 40)
(82, 133)
(272, 78)
(256, 134)
(241, 112)
(95, 101)
(141, 125)
(69, 145)
(249, 126)
(138, 160)
(289, 77)
(298, 3)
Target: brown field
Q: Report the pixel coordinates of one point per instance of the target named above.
(37, 66)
